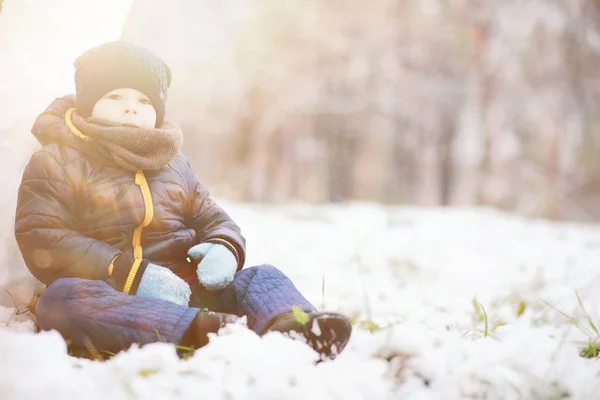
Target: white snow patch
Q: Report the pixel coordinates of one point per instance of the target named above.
(315, 329)
(412, 272)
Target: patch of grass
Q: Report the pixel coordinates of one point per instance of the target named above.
(592, 350)
(148, 372)
(18, 310)
(370, 326)
(92, 353)
(480, 315)
(184, 352)
(521, 308)
(367, 324)
(588, 327)
(587, 316)
(88, 351)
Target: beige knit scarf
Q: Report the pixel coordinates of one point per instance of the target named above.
(135, 149)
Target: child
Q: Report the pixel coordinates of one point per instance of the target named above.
(111, 217)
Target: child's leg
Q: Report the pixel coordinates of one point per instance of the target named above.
(267, 297)
(91, 312)
(263, 293)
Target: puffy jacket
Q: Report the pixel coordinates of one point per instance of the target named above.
(80, 215)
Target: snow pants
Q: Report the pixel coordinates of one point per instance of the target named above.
(92, 312)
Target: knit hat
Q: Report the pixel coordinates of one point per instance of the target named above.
(117, 65)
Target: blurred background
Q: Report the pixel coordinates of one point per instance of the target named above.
(420, 102)
(429, 102)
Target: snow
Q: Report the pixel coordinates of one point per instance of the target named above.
(316, 329)
(414, 272)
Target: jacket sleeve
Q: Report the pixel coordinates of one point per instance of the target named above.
(211, 223)
(45, 229)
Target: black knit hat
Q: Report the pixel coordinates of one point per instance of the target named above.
(117, 65)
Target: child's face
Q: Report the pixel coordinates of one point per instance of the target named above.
(126, 106)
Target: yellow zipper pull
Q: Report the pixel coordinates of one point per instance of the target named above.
(138, 178)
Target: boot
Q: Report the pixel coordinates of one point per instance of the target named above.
(204, 323)
(327, 333)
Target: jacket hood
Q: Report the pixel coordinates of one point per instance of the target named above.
(50, 126)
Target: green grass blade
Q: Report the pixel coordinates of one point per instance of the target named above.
(479, 307)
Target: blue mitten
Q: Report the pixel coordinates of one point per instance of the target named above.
(161, 283)
(216, 265)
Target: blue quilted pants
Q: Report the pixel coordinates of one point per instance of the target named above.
(86, 311)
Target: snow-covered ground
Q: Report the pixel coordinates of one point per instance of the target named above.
(414, 272)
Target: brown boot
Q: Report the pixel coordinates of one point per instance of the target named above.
(327, 333)
(205, 322)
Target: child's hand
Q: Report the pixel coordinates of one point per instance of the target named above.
(216, 265)
(161, 283)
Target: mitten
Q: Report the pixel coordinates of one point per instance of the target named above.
(216, 265)
(161, 283)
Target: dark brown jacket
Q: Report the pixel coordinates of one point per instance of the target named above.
(78, 213)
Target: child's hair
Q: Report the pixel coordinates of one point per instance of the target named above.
(117, 65)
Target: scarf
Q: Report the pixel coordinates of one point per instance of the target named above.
(134, 149)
